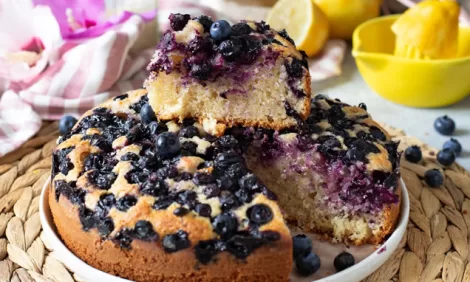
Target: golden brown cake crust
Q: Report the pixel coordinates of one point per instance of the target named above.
(148, 262)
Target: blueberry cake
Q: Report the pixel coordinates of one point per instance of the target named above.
(150, 200)
(335, 174)
(245, 74)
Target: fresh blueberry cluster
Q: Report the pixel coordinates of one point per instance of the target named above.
(305, 260)
(224, 48)
(446, 157)
(223, 175)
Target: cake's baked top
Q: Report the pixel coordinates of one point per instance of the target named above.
(190, 50)
(357, 157)
(133, 178)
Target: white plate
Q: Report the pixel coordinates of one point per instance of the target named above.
(368, 258)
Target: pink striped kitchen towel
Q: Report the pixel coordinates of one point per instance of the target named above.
(81, 74)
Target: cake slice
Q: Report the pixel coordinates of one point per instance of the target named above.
(245, 74)
(336, 174)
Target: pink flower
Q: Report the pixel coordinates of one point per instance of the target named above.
(27, 34)
(35, 33)
(82, 19)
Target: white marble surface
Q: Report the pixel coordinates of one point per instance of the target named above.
(351, 88)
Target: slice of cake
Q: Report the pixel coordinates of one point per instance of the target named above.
(245, 74)
(161, 201)
(336, 174)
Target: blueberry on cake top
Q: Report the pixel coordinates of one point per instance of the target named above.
(336, 173)
(245, 74)
(159, 201)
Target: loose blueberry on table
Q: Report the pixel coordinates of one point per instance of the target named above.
(446, 157)
(413, 154)
(343, 260)
(307, 264)
(66, 124)
(454, 145)
(444, 125)
(433, 178)
(301, 245)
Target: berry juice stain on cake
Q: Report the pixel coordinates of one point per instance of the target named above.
(343, 166)
(239, 74)
(127, 174)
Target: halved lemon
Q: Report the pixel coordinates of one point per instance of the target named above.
(304, 22)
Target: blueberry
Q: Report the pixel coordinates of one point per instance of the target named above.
(205, 21)
(178, 21)
(377, 133)
(230, 49)
(181, 211)
(307, 264)
(105, 203)
(433, 178)
(283, 34)
(295, 68)
(162, 203)
(413, 154)
(343, 261)
(124, 238)
(203, 210)
(444, 125)
(121, 97)
(301, 245)
(152, 128)
(106, 226)
(241, 29)
(147, 115)
(260, 214)
(225, 160)
(126, 202)
(102, 179)
(220, 30)
(168, 144)
(66, 123)
(446, 157)
(144, 231)
(211, 190)
(175, 242)
(249, 182)
(270, 235)
(189, 132)
(363, 106)
(242, 246)
(454, 145)
(202, 178)
(225, 225)
(205, 251)
(200, 71)
(87, 218)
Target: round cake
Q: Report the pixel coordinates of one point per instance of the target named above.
(245, 74)
(196, 180)
(156, 201)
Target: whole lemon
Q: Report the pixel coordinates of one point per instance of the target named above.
(345, 15)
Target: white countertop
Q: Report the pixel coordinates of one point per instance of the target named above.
(351, 88)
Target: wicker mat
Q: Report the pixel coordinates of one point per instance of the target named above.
(435, 248)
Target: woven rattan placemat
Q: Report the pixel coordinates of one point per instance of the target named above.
(435, 247)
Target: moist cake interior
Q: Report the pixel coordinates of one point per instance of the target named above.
(336, 174)
(248, 78)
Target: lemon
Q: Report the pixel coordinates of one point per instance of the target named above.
(304, 22)
(428, 30)
(345, 15)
